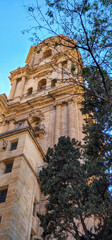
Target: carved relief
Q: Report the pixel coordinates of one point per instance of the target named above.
(35, 118)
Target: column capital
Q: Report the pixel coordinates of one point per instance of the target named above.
(70, 100)
(24, 76)
(57, 104)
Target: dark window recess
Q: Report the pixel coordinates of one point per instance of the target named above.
(8, 167)
(34, 209)
(30, 90)
(42, 84)
(47, 53)
(53, 83)
(0, 219)
(20, 125)
(3, 194)
(13, 146)
(31, 237)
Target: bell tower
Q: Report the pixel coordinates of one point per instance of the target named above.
(43, 104)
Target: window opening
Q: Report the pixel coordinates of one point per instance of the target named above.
(53, 83)
(34, 209)
(42, 84)
(20, 125)
(8, 167)
(29, 91)
(64, 64)
(31, 237)
(47, 53)
(13, 146)
(3, 194)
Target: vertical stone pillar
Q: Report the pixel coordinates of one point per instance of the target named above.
(76, 120)
(81, 121)
(48, 83)
(18, 88)
(13, 88)
(22, 85)
(71, 123)
(64, 120)
(57, 127)
(60, 72)
(32, 61)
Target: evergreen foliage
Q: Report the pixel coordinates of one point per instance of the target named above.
(98, 124)
(76, 190)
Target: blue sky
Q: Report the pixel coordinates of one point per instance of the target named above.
(14, 46)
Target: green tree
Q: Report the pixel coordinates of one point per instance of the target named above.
(88, 22)
(74, 193)
(98, 124)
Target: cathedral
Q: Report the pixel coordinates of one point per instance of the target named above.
(43, 104)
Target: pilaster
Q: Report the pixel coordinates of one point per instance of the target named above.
(64, 119)
(57, 129)
(13, 88)
(22, 85)
(71, 121)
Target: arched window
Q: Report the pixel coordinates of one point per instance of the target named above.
(42, 84)
(47, 53)
(29, 91)
(53, 83)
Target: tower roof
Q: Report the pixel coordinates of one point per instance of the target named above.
(51, 42)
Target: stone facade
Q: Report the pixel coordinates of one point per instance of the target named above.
(43, 104)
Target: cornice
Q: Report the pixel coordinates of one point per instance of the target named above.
(22, 130)
(28, 71)
(11, 108)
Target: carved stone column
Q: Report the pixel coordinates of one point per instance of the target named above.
(81, 122)
(13, 88)
(60, 71)
(71, 122)
(57, 127)
(64, 120)
(76, 119)
(22, 85)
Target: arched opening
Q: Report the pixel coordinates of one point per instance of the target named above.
(47, 53)
(53, 83)
(42, 84)
(29, 91)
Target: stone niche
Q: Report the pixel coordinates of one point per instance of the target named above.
(35, 119)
